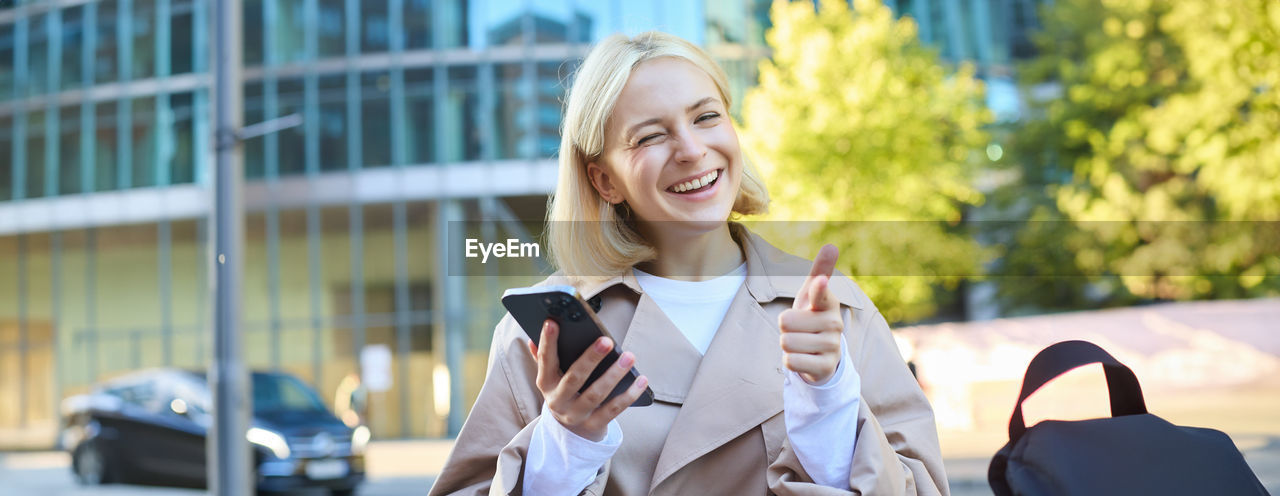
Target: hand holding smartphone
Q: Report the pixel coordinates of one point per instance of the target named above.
(584, 381)
(578, 329)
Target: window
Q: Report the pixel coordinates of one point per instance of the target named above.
(462, 136)
(420, 131)
(331, 28)
(105, 146)
(106, 62)
(254, 149)
(417, 24)
(35, 155)
(69, 150)
(142, 39)
(512, 113)
(182, 48)
(375, 118)
(181, 162)
(380, 308)
(140, 394)
(292, 141)
(333, 123)
(8, 38)
(452, 19)
(143, 134)
(6, 157)
(37, 55)
(288, 34)
(251, 10)
(275, 392)
(375, 27)
(72, 33)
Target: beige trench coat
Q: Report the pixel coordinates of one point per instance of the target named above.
(716, 426)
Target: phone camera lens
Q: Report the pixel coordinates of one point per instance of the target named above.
(575, 316)
(564, 302)
(555, 311)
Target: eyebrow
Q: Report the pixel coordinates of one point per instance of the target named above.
(632, 130)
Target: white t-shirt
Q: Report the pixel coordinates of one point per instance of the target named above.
(696, 307)
(561, 462)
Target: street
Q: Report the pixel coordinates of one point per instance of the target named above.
(49, 474)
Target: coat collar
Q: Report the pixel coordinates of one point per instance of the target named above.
(771, 273)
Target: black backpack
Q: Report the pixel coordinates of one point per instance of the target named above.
(1131, 453)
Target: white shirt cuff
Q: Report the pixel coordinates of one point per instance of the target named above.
(822, 421)
(561, 462)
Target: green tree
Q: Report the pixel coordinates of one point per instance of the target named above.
(1168, 123)
(854, 119)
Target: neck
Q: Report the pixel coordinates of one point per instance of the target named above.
(691, 256)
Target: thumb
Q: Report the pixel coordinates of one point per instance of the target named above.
(823, 265)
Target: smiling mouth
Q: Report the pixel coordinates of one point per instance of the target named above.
(698, 184)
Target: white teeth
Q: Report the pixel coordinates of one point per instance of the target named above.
(696, 183)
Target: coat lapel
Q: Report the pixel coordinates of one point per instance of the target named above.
(662, 352)
(737, 386)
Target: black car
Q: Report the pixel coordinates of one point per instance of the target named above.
(149, 428)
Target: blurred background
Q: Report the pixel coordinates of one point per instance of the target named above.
(1003, 161)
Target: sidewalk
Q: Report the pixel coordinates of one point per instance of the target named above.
(406, 467)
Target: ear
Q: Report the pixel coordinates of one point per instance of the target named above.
(603, 183)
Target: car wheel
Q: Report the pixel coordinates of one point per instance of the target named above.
(90, 466)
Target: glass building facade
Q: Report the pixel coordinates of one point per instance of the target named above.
(415, 114)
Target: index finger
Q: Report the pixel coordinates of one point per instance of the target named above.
(548, 358)
(823, 265)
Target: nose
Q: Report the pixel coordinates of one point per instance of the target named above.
(689, 148)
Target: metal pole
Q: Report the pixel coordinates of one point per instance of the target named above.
(454, 321)
(228, 450)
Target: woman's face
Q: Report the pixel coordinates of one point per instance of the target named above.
(670, 149)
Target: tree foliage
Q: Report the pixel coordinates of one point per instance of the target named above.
(1169, 123)
(855, 120)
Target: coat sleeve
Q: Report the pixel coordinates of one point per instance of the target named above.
(488, 455)
(897, 451)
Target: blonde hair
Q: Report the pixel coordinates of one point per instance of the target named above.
(590, 238)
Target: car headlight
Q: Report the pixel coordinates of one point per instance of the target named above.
(360, 440)
(270, 440)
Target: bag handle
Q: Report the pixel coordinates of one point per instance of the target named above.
(1058, 359)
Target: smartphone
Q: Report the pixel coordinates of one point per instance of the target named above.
(579, 329)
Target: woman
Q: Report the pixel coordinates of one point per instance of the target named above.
(765, 380)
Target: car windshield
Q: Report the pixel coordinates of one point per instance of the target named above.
(272, 392)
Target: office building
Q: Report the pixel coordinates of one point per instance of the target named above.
(415, 114)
